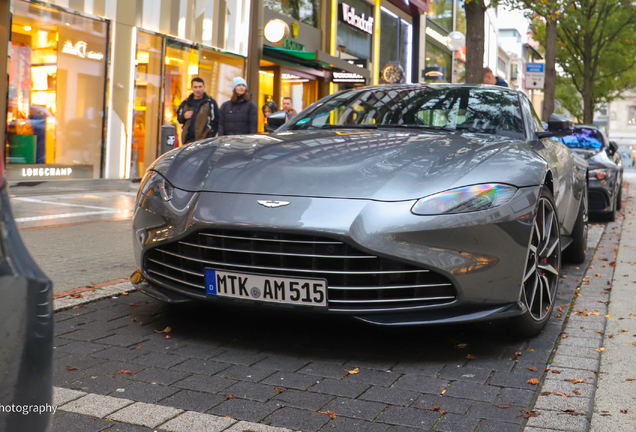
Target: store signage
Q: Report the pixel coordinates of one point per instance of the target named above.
(293, 45)
(433, 73)
(347, 77)
(276, 31)
(79, 49)
(358, 21)
(47, 172)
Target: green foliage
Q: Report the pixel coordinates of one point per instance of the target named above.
(570, 100)
(596, 50)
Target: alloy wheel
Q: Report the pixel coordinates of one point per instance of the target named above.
(541, 275)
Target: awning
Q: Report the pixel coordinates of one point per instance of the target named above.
(315, 59)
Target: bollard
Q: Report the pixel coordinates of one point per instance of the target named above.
(168, 138)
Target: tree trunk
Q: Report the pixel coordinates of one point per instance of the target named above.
(550, 69)
(588, 81)
(475, 22)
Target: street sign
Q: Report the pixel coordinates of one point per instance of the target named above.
(535, 75)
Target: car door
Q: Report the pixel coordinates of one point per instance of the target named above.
(559, 160)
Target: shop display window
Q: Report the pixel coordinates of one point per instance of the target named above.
(438, 64)
(218, 70)
(147, 103)
(265, 94)
(395, 44)
(56, 94)
(300, 88)
(181, 65)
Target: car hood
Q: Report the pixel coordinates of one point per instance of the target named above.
(380, 165)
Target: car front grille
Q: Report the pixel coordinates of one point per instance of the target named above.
(357, 281)
(597, 200)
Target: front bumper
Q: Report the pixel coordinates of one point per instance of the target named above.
(601, 195)
(483, 254)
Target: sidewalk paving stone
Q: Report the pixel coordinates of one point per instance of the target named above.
(193, 401)
(144, 414)
(95, 405)
(409, 417)
(145, 392)
(392, 395)
(297, 419)
(243, 409)
(304, 400)
(355, 408)
(193, 421)
(291, 380)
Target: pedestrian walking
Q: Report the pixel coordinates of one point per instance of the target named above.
(288, 107)
(199, 114)
(268, 109)
(239, 115)
(490, 78)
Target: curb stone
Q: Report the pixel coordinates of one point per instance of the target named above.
(569, 405)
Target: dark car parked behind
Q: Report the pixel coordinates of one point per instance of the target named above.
(605, 169)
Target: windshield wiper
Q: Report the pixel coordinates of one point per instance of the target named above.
(350, 126)
(416, 126)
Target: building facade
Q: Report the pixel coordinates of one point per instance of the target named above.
(92, 82)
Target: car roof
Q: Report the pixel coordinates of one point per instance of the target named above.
(405, 86)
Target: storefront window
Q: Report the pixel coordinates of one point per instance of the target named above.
(218, 70)
(56, 94)
(147, 103)
(441, 11)
(438, 64)
(181, 65)
(307, 11)
(351, 41)
(265, 94)
(395, 44)
(301, 89)
(461, 17)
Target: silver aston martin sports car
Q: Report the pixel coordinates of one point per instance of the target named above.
(398, 205)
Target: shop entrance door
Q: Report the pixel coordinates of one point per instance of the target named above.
(181, 65)
(301, 88)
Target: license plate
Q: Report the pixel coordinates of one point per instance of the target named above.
(274, 289)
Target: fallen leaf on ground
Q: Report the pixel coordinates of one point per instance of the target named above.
(533, 369)
(71, 368)
(354, 371)
(608, 315)
(138, 346)
(630, 379)
(555, 371)
(530, 349)
(443, 391)
(124, 293)
(600, 349)
(576, 381)
(279, 390)
(435, 408)
(469, 357)
(76, 296)
(124, 371)
(329, 413)
(503, 406)
(613, 264)
(533, 381)
(166, 330)
(528, 414)
(562, 394)
(562, 308)
(624, 411)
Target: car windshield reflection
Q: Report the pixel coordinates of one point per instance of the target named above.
(448, 109)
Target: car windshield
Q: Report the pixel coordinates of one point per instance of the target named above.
(584, 138)
(456, 109)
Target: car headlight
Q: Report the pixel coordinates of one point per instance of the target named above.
(464, 199)
(155, 186)
(600, 174)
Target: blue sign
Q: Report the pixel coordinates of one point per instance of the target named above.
(210, 281)
(535, 68)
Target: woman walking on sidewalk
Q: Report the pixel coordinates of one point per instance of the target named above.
(239, 115)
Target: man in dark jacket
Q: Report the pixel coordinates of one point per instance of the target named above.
(239, 115)
(199, 114)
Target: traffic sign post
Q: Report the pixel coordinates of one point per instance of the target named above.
(535, 75)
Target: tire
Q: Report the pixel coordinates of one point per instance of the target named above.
(541, 275)
(619, 198)
(575, 253)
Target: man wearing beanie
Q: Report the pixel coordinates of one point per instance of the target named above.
(199, 114)
(239, 115)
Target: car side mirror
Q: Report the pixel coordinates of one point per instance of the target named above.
(558, 126)
(276, 119)
(613, 148)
